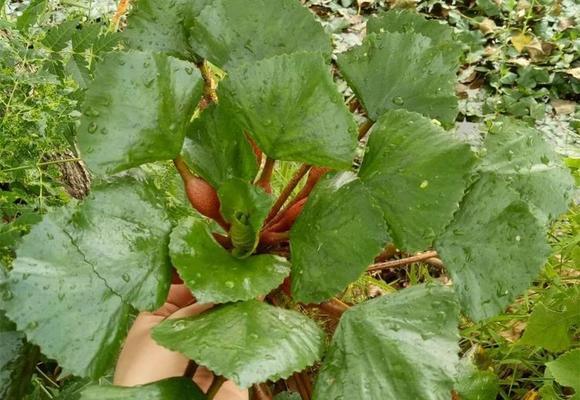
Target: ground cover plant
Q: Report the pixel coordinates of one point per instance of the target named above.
(226, 102)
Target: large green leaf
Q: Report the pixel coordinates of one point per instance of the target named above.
(79, 270)
(62, 305)
(123, 232)
(247, 342)
(17, 361)
(136, 110)
(417, 173)
(410, 21)
(493, 249)
(245, 207)
(57, 37)
(336, 237)
(520, 155)
(394, 70)
(565, 371)
(401, 346)
(292, 108)
(158, 26)
(167, 389)
(216, 148)
(213, 274)
(262, 30)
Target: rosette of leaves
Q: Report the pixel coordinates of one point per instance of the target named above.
(417, 187)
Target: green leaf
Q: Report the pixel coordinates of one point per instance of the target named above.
(520, 155)
(136, 110)
(80, 268)
(123, 232)
(52, 289)
(287, 396)
(167, 389)
(493, 249)
(245, 207)
(158, 26)
(565, 370)
(335, 238)
(401, 346)
(395, 70)
(216, 148)
(260, 31)
(292, 108)
(247, 342)
(216, 276)
(404, 21)
(31, 14)
(417, 174)
(57, 37)
(550, 324)
(17, 360)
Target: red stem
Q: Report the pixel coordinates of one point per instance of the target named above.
(266, 177)
(287, 191)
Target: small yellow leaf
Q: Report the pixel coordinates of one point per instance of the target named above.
(520, 41)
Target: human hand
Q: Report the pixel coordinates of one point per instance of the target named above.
(143, 361)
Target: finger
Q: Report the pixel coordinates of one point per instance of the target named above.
(193, 309)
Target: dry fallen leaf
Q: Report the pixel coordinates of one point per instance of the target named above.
(514, 332)
(575, 72)
(487, 26)
(564, 106)
(520, 41)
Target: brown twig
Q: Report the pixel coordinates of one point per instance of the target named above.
(364, 128)
(215, 386)
(402, 262)
(121, 9)
(334, 307)
(287, 191)
(266, 177)
(260, 391)
(286, 218)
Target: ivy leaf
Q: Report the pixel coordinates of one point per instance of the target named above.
(408, 340)
(31, 14)
(216, 148)
(488, 277)
(261, 31)
(167, 389)
(245, 207)
(520, 155)
(410, 21)
(549, 325)
(248, 342)
(136, 110)
(51, 288)
(89, 263)
(158, 26)
(335, 238)
(17, 361)
(565, 370)
(394, 70)
(417, 174)
(216, 276)
(293, 110)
